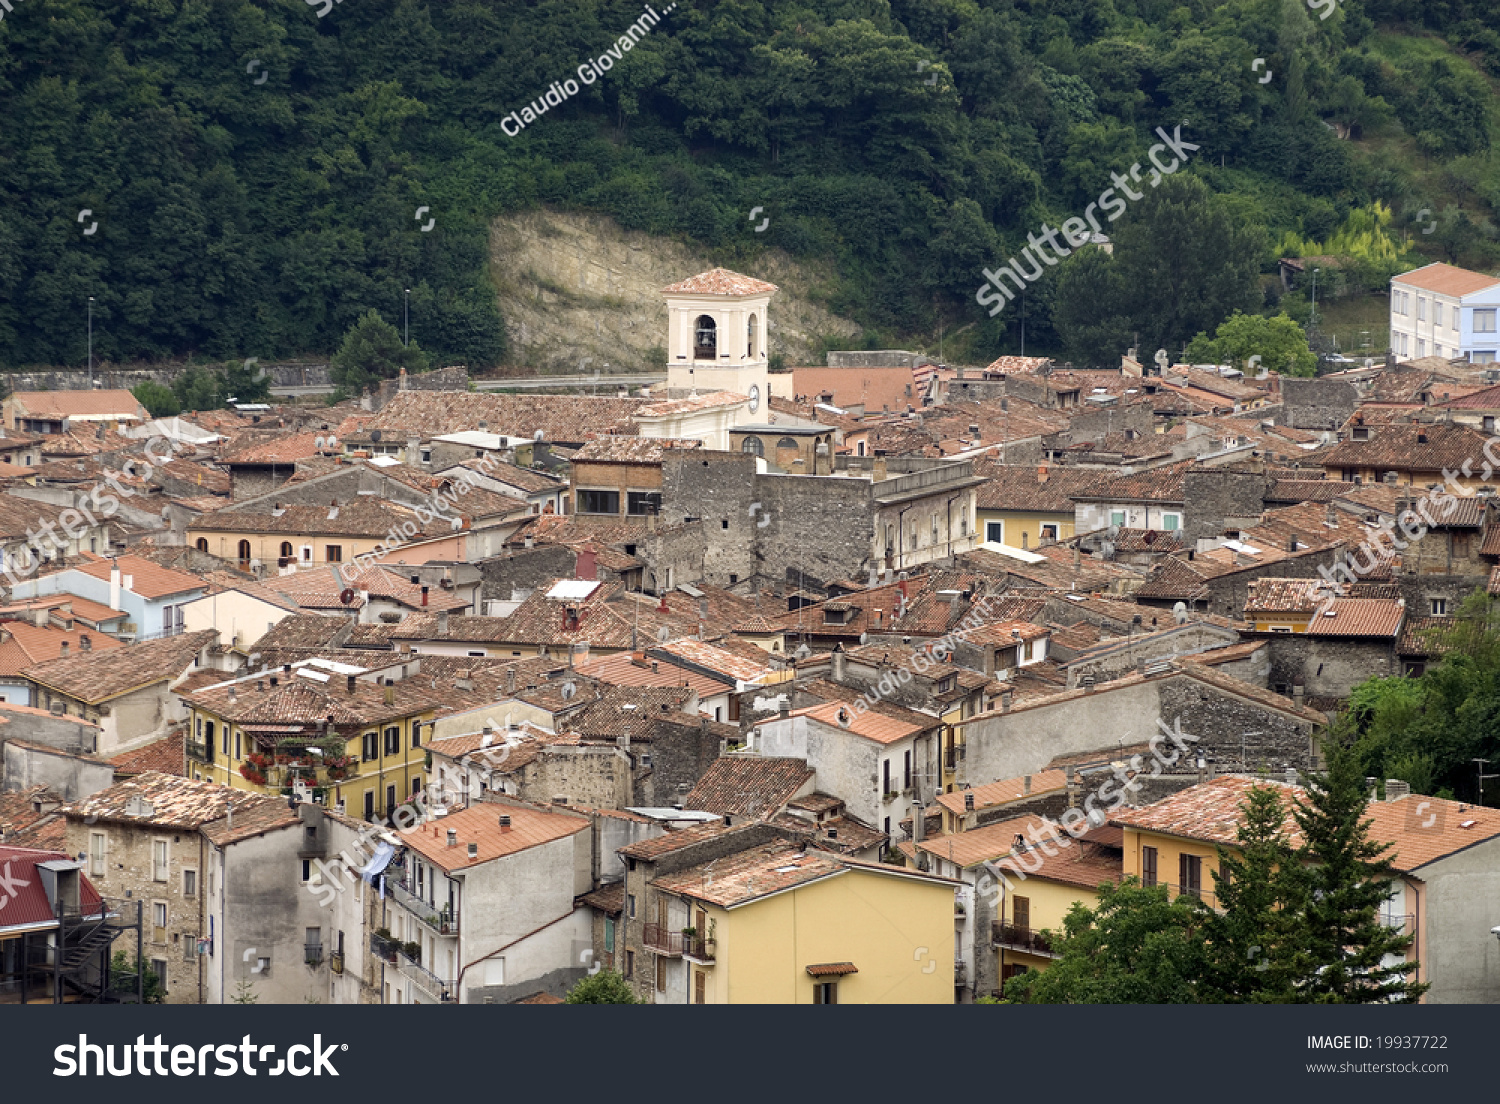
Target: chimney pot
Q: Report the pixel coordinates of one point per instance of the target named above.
(473, 850)
(452, 838)
(1026, 784)
(505, 822)
(968, 801)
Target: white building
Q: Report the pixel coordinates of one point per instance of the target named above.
(1440, 310)
(717, 335)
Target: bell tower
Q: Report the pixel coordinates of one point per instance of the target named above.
(717, 334)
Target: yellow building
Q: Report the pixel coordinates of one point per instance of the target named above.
(1421, 454)
(776, 924)
(345, 739)
(1026, 506)
(1005, 927)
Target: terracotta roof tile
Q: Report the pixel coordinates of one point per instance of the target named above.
(1005, 791)
(719, 281)
(167, 755)
(748, 785)
(1446, 279)
(148, 579)
(79, 404)
(95, 677)
(1359, 617)
(168, 800)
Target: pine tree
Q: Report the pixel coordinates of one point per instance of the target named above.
(1258, 940)
(1348, 880)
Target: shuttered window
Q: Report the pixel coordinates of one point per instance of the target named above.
(1148, 866)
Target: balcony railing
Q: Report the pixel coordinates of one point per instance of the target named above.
(960, 971)
(1207, 896)
(663, 941)
(441, 919)
(336, 962)
(435, 987)
(1402, 922)
(199, 751)
(1018, 938)
(385, 949)
(312, 954)
(700, 949)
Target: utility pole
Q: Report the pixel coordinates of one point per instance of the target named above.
(1482, 778)
(406, 318)
(91, 342)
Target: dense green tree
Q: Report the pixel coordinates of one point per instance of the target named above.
(604, 987)
(372, 351)
(198, 388)
(1349, 879)
(1090, 310)
(1280, 343)
(1136, 947)
(1256, 940)
(157, 398)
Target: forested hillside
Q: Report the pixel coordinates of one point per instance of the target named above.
(255, 170)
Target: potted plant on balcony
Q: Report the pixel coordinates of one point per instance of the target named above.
(412, 951)
(445, 918)
(252, 774)
(339, 767)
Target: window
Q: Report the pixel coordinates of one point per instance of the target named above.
(393, 741)
(1190, 874)
(236, 745)
(630, 964)
(334, 553)
(934, 528)
(994, 532)
(661, 974)
(372, 746)
(286, 550)
(886, 775)
(244, 551)
(390, 798)
(1489, 423)
(705, 339)
(1020, 911)
(426, 455)
(201, 544)
(753, 446)
(416, 734)
(752, 331)
(1148, 866)
(96, 854)
(598, 502)
(190, 883)
(1484, 357)
(609, 935)
(1421, 347)
(1171, 522)
(1484, 321)
(1421, 308)
(159, 921)
(159, 860)
(306, 870)
(786, 443)
(369, 804)
(907, 769)
(630, 902)
(208, 736)
(1117, 518)
(1439, 606)
(826, 992)
(159, 968)
(700, 987)
(642, 503)
(1437, 314)
(307, 551)
(1049, 532)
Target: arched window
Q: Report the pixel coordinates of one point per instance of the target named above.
(286, 550)
(754, 332)
(753, 446)
(706, 339)
(201, 544)
(786, 443)
(245, 552)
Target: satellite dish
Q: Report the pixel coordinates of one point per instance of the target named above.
(568, 690)
(664, 634)
(333, 443)
(1162, 359)
(1179, 613)
(538, 435)
(321, 443)
(375, 435)
(346, 595)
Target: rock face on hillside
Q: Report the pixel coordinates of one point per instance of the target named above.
(579, 293)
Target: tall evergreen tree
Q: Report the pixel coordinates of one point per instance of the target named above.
(1257, 942)
(1354, 958)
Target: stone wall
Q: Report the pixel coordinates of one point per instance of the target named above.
(1316, 403)
(1327, 667)
(1234, 730)
(1220, 498)
(126, 379)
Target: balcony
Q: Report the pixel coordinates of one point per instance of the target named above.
(312, 954)
(199, 751)
(336, 962)
(1016, 938)
(1405, 923)
(699, 949)
(440, 919)
(960, 972)
(1175, 891)
(438, 990)
(960, 910)
(662, 941)
(384, 949)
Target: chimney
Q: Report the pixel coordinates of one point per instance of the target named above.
(838, 663)
(452, 838)
(587, 569)
(390, 693)
(62, 650)
(510, 680)
(442, 626)
(1299, 692)
(783, 707)
(1026, 785)
(114, 585)
(424, 597)
(1396, 789)
(918, 822)
(879, 617)
(85, 644)
(1073, 787)
(505, 822)
(473, 850)
(351, 686)
(1041, 473)
(1005, 699)
(968, 801)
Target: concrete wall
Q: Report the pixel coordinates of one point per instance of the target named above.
(1461, 958)
(62, 732)
(70, 777)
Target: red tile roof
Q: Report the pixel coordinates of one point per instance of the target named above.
(1358, 617)
(719, 281)
(148, 579)
(748, 785)
(1446, 279)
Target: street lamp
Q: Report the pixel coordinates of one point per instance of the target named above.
(91, 342)
(1312, 319)
(406, 318)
